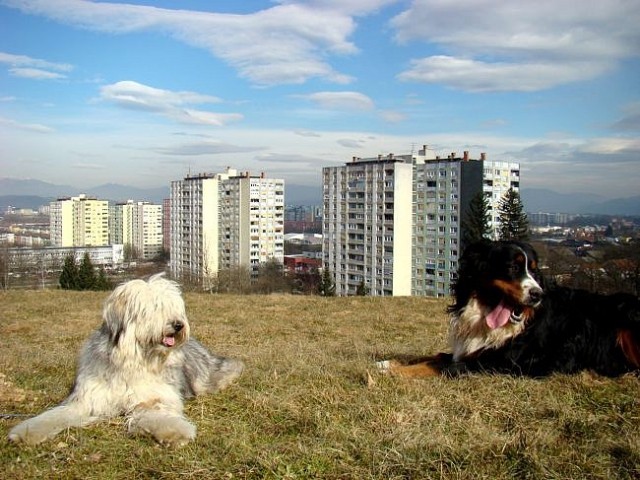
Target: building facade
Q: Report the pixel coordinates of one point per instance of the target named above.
(442, 190)
(225, 221)
(394, 223)
(498, 178)
(79, 221)
(139, 227)
(367, 225)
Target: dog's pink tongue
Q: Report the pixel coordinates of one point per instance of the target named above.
(169, 341)
(499, 316)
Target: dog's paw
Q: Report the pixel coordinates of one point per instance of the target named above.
(386, 366)
(23, 433)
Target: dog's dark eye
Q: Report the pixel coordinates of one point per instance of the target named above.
(515, 269)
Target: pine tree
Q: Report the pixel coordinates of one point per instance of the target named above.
(69, 275)
(86, 274)
(362, 290)
(514, 224)
(327, 287)
(102, 282)
(475, 225)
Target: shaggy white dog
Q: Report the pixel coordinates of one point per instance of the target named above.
(140, 363)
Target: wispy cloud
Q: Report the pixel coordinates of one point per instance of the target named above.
(174, 105)
(630, 121)
(30, 127)
(34, 68)
(340, 100)
(287, 43)
(392, 116)
(36, 74)
(297, 159)
(206, 148)
(350, 143)
(307, 133)
(526, 46)
(25, 61)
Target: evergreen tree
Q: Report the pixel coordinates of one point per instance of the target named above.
(514, 224)
(102, 282)
(327, 287)
(362, 290)
(475, 224)
(69, 276)
(86, 274)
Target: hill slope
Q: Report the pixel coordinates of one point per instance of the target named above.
(310, 405)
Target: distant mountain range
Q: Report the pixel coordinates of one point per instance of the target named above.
(29, 193)
(543, 200)
(34, 193)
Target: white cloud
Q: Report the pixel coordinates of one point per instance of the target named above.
(307, 133)
(36, 74)
(173, 105)
(522, 46)
(29, 127)
(630, 121)
(476, 76)
(25, 61)
(392, 116)
(340, 100)
(34, 68)
(287, 43)
(206, 148)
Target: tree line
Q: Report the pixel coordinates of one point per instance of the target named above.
(82, 276)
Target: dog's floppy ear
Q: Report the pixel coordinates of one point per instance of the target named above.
(471, 266)
(474, 259)
(113, 314)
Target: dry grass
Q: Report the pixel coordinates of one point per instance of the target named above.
(306, 407)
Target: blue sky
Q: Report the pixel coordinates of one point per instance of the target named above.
(144, 92)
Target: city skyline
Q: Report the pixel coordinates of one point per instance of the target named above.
(140, 93)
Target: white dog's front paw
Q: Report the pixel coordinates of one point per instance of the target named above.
(167, 429)
(175, 433)
(27, 433)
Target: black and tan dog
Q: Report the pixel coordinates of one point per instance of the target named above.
(506, 319)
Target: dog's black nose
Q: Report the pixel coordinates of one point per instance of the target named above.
(535, 295)
(177, 326)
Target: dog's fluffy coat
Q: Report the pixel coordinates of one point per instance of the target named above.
(141, 363)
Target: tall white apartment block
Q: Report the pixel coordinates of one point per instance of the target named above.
(224, 221)
(138, 225)
(79, 221)
(499, 177)
(367, 225)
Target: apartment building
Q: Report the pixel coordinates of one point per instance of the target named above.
(79, 221)
(223, 221)
(138, 226)
(393, 223)
(442, 190)
(367, 220)
(498, 178)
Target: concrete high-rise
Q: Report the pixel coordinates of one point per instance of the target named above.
(79, 221)
(367, 225)
(224, 221)
(393, 224)
(443, 189)
(138, 226)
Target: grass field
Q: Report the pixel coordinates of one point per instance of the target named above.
(310, 405)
